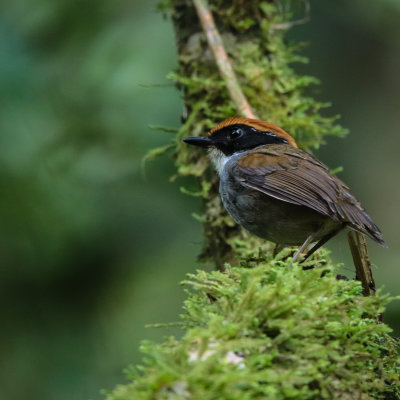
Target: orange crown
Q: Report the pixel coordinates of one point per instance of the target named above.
(257, 124)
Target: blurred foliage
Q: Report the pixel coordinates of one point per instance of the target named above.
(83, 268)
(77, 216)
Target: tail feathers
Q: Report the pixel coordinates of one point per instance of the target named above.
(369, 229)
(354, 215)
(376, 235)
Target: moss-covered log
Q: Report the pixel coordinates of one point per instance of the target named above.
(269, 332)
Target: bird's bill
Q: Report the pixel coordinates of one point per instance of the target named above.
(198, 141)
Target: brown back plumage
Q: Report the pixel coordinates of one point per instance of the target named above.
(296, 177)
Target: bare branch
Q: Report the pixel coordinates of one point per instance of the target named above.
(359, 251)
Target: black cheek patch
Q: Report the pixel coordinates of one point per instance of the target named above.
(258, 139)
(250, 139)
(227, 148)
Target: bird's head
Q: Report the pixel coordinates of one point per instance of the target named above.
(240, 134)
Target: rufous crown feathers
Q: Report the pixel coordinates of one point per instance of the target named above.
(257, 124)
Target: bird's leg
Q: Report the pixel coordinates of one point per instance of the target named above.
(313, 249)
(300, 249)
(323, 240)
(278, 247)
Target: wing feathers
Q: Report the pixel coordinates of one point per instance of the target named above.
(296, 177)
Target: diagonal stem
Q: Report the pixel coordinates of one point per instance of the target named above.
(224, 65)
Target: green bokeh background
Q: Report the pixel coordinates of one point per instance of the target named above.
(91, 247)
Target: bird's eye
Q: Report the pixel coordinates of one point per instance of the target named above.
(236, 133)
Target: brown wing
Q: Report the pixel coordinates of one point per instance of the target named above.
(294, 176)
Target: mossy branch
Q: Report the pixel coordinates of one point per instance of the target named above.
(263, 331)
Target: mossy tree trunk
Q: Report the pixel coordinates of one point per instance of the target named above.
(254, 40)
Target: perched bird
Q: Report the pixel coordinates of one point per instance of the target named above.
(277, 191)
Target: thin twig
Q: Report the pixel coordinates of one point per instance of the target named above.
(221, 58)
(287, 25)
(290, 24)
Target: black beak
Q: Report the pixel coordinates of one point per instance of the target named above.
(198, 141)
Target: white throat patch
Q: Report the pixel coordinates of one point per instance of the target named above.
(219, 159)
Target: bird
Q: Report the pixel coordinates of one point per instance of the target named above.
(279, 192)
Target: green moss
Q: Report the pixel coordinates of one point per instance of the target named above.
(271, 332)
